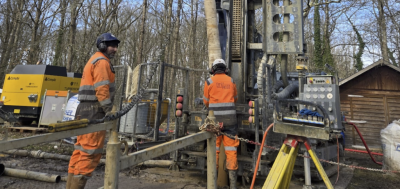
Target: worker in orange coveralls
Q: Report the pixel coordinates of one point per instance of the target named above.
(220, 95)
(96, 96)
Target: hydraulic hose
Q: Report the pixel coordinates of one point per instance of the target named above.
(286, 92)
(277, 86)
(259, 155)
(365, 144)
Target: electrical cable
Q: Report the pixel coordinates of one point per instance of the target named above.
(365, 144)
(259, 155)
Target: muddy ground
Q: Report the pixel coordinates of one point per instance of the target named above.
(147, 178)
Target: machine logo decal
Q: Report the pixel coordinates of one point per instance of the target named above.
(13, 78)
(49, 79)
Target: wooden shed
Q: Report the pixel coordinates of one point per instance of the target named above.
(370, 99)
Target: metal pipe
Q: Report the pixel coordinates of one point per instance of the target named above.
(45, 177)
(38, 154)
(362, 151)
(161, 149)
(307, 172)
(112, 159)
(214, 48)
(37, 139)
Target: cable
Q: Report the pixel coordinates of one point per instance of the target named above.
(259, 155)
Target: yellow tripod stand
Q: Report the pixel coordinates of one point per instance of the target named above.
(282, 170)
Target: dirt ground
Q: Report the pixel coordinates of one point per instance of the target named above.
(147, 178)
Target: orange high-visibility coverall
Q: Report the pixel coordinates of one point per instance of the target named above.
(96, 95)
(220, 95)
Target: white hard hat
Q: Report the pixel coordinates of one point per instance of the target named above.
(218, 61)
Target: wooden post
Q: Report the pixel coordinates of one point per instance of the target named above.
(112, 159)
(211, 163)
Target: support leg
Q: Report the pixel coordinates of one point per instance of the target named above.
(319, 166)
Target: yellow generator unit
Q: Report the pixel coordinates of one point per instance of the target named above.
(24, 87)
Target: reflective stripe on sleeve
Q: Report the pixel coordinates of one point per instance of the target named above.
(101, 83)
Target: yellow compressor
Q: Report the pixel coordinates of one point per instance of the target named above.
(24, 87)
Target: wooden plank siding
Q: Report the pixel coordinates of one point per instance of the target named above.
(379, 106)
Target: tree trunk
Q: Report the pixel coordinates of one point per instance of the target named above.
(142, 33)
(383, 32)
(33, 55)
(168, 31)
(175, 45)
(72, 32)
(60, 38)
(193, 60)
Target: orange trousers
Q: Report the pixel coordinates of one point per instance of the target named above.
(87, 153)
(89, 147)
(230, 146)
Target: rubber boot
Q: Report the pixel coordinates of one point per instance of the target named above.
(78, 182)
(69, 180)
(232, 179)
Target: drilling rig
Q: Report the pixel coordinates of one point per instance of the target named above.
(298, 103)
(253, 37)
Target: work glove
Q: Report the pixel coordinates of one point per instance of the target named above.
(111, 115)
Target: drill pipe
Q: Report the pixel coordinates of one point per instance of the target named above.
(45, 155)
(38, 154)
(32, 175)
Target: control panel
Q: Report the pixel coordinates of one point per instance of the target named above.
(316, 112)
(320, 90)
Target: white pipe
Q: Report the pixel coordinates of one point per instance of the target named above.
(214, 48)
(32, 175)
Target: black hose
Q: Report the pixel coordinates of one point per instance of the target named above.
(277, 86)
(286, 92)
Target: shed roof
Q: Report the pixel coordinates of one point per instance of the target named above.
(376, 64)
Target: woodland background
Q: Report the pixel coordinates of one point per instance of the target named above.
(347, 34)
